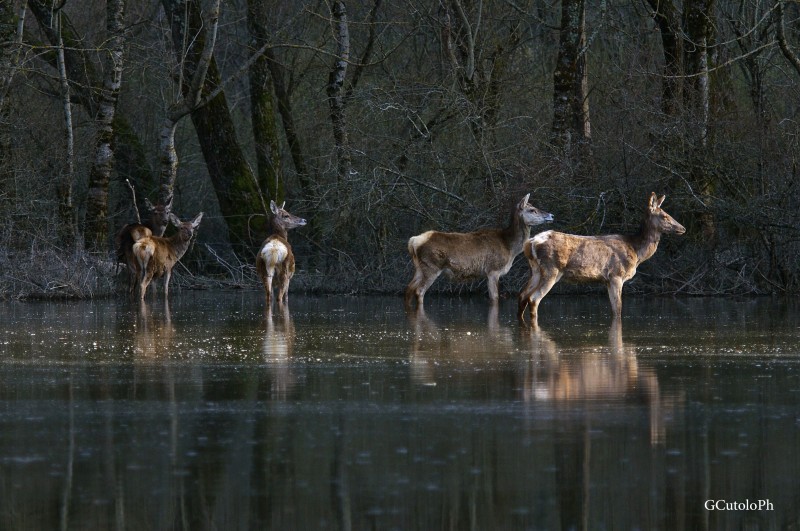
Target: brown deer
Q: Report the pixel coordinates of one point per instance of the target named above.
(275, 256)
(156, 256)
(611, 259)
(465, 256)
(130, 233)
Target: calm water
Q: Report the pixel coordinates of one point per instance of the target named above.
(348, 414)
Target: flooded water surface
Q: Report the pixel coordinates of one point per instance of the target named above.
(347, 413)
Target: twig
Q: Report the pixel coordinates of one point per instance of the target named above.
(133, 196)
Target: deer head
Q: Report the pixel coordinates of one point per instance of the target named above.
(659, 219)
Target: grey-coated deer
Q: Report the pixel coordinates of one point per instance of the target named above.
(156, 256)
(611, 259)
(130, 233)
(465, 256)
(275, 258)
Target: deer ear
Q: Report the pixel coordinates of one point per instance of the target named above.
(174, 219)
(283, 205)
(525, 200)
(273, 206)
(661, 200)
(653, 201)
(196, 220)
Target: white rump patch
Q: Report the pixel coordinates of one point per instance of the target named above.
(415, 242)
(542, 237)
(273, 253)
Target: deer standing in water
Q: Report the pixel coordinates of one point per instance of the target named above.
(611, 259)
(156, 256)
(465, 256)
(130, 233)
(275, 256)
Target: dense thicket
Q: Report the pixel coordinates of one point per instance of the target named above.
(378, 120)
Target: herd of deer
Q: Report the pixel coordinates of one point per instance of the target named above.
(609, 259)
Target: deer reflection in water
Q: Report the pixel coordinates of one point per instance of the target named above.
(278, 347)
(456, 343)
(554, 376)
(155, 335)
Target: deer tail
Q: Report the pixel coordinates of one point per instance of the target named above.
(415, 242)
(143, 251)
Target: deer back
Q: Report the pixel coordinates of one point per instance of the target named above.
(583, 258)
(464, 255)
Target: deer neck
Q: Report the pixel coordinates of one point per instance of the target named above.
(179, 245)
(645, 243)
(516, 233)
(276, 229)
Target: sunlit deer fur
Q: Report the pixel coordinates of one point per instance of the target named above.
(156, 255)
(275, 257)
(611, 259)
(465, 256)
(132, 232)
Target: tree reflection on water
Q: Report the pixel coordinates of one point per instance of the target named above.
(351, 414)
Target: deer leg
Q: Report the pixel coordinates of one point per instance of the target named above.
(424, 285)
(526, 293)
(615, 296)
(267, 279)
(423, 278)
(283, 293)
(548, 281)
(146, 278)
(493, 279)
(411, 290)
(167, 274)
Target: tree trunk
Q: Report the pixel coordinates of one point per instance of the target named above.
(80, 71)
(96, 229)
(262, 108)
(666, 18)
(233, 181)
(12, 18)
(284, 100)
(66, 206)
(786, 49)
(571, 131)
(698, 17)
(335, 90)
(131, 157)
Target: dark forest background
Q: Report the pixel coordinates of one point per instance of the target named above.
(379, 119)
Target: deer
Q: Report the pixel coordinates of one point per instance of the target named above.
(471, 255)
(275, 258)
(156, 255)
(130, 233)
(611, 259)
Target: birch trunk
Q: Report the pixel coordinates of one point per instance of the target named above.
(66, 207)
(335, 90)
(96, 231)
